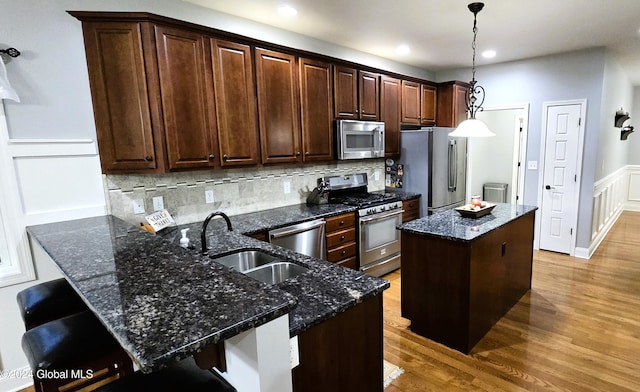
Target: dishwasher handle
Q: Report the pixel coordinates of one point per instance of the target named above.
(296, 229)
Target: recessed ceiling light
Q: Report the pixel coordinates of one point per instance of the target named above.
(287, 10)
(489, 54)
(403, 49)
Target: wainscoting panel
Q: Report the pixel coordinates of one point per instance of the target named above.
(58, 179)
(611, 196)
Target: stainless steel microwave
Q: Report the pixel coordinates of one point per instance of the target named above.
(359, 139)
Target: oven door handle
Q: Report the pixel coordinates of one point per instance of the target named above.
(366, 221)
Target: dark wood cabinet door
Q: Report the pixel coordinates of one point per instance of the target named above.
(390, 108)
(345, 91)
(459, 104)
(235, 100)
(183, 64)
(369, 96)
(410, 102)
(343, 353)
(452, 104)
(316, 108)
(427, 104)
(278, 110)
(121, 104)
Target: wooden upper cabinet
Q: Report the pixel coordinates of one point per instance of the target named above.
(235, 102)
(278, 110)
(368, 94)
(452, 104)
(428, 100)
(121, 101)
(186, 87)
(316, 108)
(390, 109)
(418, 103)
(345, 89)
(410, 102)
(356, 94)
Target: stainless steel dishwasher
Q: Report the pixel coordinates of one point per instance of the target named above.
(306, 238)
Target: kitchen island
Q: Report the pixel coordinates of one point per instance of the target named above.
(461, 275)
(164, 303)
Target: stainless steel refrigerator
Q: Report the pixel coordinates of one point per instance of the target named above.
(435, 165)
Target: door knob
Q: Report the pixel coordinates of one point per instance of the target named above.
(549, 187)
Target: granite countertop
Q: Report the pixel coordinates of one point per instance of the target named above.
(450, 225)
(164, 302)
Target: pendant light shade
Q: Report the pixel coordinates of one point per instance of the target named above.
(475, 93)
(472, 128)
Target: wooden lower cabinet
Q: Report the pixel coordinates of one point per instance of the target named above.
(411, 209)
(340, 235)
(344, 353)
(455, 291)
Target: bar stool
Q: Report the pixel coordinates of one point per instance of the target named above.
(73, 351)
(181, 376)
(48, 301)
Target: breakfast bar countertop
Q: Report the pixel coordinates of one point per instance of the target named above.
(163, 302)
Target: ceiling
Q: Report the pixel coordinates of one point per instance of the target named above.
(439, 32)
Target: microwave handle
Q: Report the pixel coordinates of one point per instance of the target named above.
(380, 139)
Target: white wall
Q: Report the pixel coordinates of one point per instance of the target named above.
(568, 76)
(634, 139)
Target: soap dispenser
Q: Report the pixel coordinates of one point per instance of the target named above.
(184, 241)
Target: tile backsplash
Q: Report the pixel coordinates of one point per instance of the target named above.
(235, 191)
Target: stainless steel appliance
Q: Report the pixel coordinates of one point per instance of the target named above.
(378, 215)
(306, 238)
(359, 139)
(435, 165)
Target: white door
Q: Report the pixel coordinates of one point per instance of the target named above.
(559, 209)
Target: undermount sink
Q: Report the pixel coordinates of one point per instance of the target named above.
(246, 260)
(261, 266)
(276, 272)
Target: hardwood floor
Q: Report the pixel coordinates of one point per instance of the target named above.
(577, 329)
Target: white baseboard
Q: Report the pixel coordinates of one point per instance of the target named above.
(582, 253)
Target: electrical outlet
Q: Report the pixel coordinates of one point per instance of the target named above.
(287, 187)
(294, 354)
(138, 206)
(158, 203)
(208, 197)
(532, 165)
(376, 175)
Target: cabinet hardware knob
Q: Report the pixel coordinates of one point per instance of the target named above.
(148, 158)
(344, 252)
(341, 222)
(307, 153)
(342, 237)
(211, 157)
(297, 153)
(225, 157)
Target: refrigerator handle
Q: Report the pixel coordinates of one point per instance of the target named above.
(452, 166)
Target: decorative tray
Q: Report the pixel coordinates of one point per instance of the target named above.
(468, 212)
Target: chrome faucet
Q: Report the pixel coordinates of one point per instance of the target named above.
(203, 236)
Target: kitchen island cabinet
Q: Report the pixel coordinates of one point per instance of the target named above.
(461, 275)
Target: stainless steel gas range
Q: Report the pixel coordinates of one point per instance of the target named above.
(378, 215)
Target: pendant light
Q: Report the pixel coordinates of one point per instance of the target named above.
(475, 93)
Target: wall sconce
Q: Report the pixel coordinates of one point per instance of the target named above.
(620, 118)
